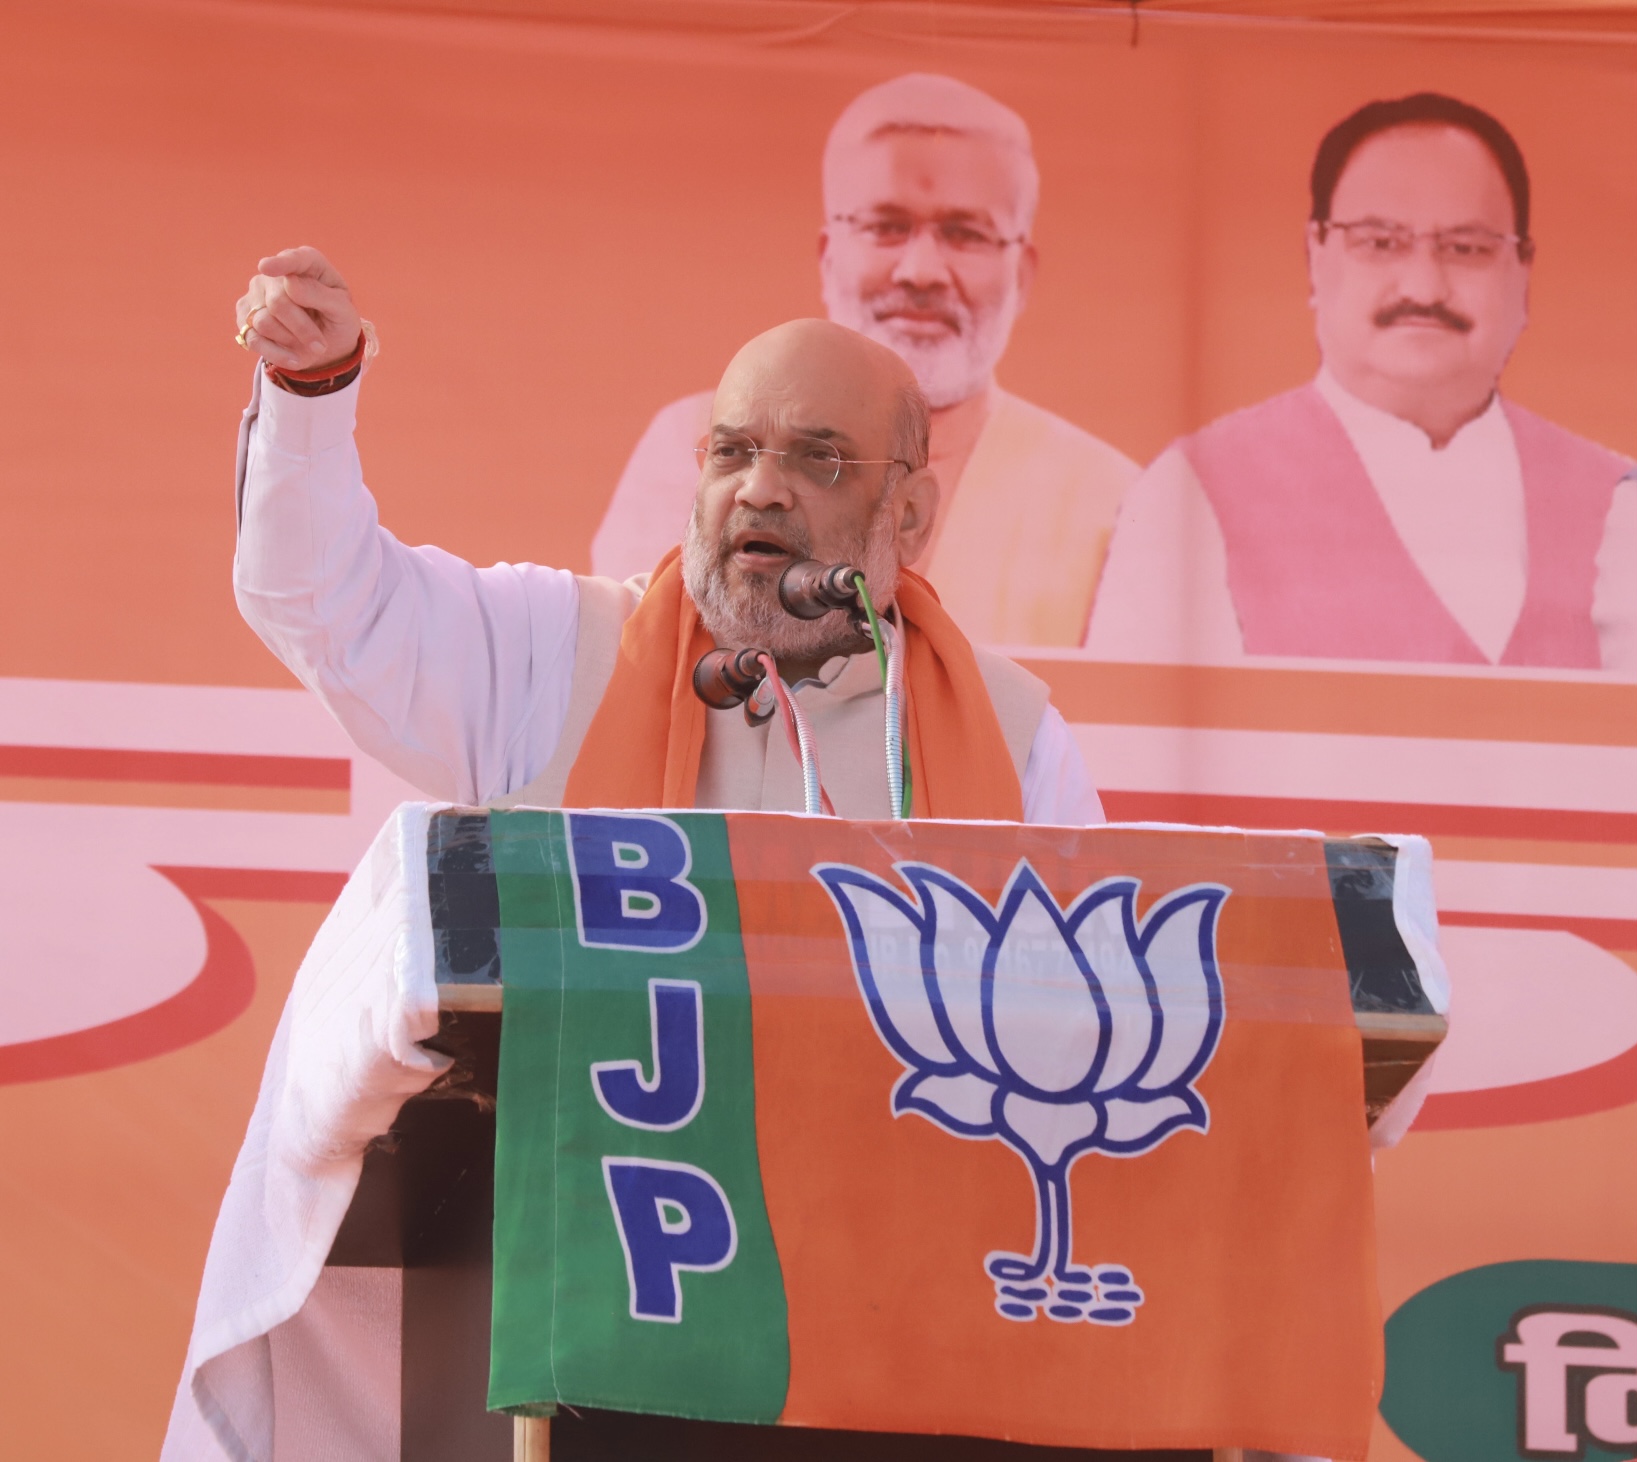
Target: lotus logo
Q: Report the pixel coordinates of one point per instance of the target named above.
(1058, 1032)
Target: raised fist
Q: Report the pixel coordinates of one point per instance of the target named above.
(297, 313)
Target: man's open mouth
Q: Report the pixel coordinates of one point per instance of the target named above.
(753, 549)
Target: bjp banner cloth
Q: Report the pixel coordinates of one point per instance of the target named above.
(1034, 1133)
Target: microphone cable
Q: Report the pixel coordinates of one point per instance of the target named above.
(815, 800)
(898, 788)
(889, 654)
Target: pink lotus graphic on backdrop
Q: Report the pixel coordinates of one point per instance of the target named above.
(1056, 1031)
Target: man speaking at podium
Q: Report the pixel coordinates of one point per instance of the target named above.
(518, 684)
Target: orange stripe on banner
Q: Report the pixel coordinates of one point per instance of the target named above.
(1352, 703)
(215, 997)
(102, 764)
(218, 781)
(1614, 935)
(1546, 824)
(204, 795)
(1518, 850)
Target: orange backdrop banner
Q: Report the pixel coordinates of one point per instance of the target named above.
(564, 219)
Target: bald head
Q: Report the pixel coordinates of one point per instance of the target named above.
(771, 494)
(823, 378)
(927, 105)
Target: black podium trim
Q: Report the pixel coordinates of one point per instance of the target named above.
(1380, 971)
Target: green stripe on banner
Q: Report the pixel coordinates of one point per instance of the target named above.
(634, 1262)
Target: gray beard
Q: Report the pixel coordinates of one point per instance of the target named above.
(750, 614)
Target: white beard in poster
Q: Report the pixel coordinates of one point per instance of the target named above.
(952, 347)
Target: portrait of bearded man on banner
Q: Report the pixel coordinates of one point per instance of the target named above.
(930, 191)
(1398, 507)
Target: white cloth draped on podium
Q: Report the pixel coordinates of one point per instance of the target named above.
(344, 1060)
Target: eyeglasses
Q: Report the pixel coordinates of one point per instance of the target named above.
(1471, 246)
(958, 235)
(811, 464)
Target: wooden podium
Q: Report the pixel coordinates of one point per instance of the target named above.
(425, 1203)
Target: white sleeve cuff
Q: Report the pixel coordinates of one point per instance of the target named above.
(304, 426)
(1057, 787)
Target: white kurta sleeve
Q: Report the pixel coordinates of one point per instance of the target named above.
(1164, 595)
(457, 678)
(1614, 601)
(1057, 787)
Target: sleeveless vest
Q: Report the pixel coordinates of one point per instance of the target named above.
(1316, 568)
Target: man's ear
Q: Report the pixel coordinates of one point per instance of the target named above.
(1028, 264)
(917, 497)
(1314, 243)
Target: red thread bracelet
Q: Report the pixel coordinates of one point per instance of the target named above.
(322, 375)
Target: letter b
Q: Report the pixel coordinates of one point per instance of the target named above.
(631, 889)
(670, 1217)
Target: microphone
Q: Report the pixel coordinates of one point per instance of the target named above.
(810, 589)
(724, 678)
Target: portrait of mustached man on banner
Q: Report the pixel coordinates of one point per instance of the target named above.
(1398, 507)
(930, 191)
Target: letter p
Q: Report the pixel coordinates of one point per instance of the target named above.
(670, 1217)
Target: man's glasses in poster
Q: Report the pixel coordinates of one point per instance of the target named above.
(955, 233)
(810, 464)
(1378, 241)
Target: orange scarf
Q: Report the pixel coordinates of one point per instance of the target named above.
(643, 746)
